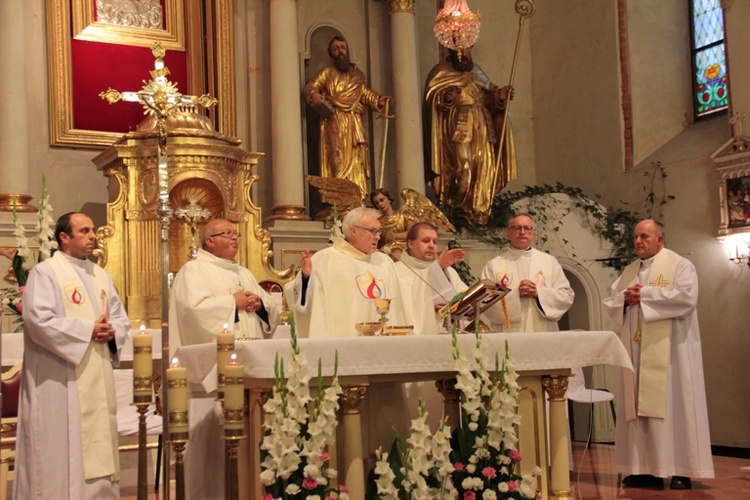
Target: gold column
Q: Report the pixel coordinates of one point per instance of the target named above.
(353, 467)
(556, 386)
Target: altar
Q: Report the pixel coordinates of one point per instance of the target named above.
(543, 361)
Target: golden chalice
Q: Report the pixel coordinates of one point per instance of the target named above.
(368, 329)
(382, 306)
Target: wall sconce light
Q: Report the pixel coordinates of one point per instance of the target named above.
(738, 249)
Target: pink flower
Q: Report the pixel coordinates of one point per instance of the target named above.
(470, 495)
(267, 496)
(20, 288)
(330, 498)
(19, 306)
(515, 455)
(324, 456)
(459, 466)
(512, 486)
(309, 483)
(343, 489)
(489, 472)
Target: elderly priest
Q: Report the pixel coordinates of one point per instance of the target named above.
(208, 292)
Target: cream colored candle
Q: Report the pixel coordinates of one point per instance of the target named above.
(177, 397)
(224, 350)
(234, 394)
(143, 368)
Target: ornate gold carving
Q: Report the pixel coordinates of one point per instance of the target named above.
(100, 252)
(351, 397)
(288, 212)
(448, 389)
(555, 386)
(396, 6)
(178, 417)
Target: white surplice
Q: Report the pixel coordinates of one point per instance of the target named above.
(678, 444)
(341, 289)
(201, 303)
(340, 293)
(49, 453)
(526, 314)
(424, 285)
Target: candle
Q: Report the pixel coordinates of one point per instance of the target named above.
(224, 350)
(234, 395)
(177, 399)
(143, 368)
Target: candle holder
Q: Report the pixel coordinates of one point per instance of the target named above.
(179, 465)
(142, 399)
(235, 417)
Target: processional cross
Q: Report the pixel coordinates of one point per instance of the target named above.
(161, 99)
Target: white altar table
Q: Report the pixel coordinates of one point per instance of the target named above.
(542, 359)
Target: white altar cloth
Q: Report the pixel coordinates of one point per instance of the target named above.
(420, 355)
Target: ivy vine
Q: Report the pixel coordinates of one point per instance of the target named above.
(614, 224)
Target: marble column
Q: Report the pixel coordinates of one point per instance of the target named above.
(14, 141)
(408, 97)
(286, 119)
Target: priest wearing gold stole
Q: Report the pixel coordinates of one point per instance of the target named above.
(74, 329)
(662, 419)
(343, 144)
(540, 293)
(209, 292)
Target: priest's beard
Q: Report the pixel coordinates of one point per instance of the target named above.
(342, 63)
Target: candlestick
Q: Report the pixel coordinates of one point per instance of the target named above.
(178, 400)
(224, 350)
(234, 395)
(143, 368)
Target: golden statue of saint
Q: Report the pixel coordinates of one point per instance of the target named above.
(394, 223)
(340, 87)
(463, 114)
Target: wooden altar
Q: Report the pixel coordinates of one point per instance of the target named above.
(543, 361)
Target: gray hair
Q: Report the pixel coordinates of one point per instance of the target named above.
(354, 218)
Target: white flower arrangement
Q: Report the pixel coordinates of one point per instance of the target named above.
(478, 460)
(22, 260)
(293, 450)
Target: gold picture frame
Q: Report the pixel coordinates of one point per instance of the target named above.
(214, 64)
(171, 35)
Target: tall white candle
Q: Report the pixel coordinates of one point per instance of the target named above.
(177, 398)
(143, 368)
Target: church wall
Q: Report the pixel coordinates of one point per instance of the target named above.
(579, 142)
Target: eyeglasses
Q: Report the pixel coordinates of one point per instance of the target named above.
(518, 229)
(372, 231)
(227, 234)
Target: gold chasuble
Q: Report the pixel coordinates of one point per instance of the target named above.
(654, 341)
(98, 414)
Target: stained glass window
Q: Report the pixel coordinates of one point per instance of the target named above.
(709, 58)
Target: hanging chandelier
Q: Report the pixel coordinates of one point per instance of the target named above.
(456, 26)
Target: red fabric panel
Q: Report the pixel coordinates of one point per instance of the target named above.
(98, 66)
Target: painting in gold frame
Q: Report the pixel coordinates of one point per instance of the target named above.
(210, 70)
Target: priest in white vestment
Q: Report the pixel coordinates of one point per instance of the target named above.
(335, 289)
(209, 292)
(540, 293)
(662, 419)
(427, 279)
(74, 329)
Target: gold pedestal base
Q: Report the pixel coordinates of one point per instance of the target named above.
(22, 203)
(288, 212)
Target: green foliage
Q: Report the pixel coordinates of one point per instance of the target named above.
(614, 224)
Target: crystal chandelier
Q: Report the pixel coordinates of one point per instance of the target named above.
(456, 26)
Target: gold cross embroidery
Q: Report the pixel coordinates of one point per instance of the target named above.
(660, 281)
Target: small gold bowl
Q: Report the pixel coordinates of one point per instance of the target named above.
(368, 329)
(398, 330)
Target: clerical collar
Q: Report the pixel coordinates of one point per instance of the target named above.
(85, 263)
(650, 259)
(225, 263)
(346, 248)
(518, 252)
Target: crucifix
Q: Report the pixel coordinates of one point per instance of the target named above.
(161, 99)
(193, 213)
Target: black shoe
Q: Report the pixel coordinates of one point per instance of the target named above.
(642, 481)
(681, 483)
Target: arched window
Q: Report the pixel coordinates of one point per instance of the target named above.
(710, 83)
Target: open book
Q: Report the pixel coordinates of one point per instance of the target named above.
(481, 295)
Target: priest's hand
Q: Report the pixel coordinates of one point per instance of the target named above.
(305, 263)
(633, 294)
(247, 301)
(450, 256)
(527, 288)
(103, 330)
